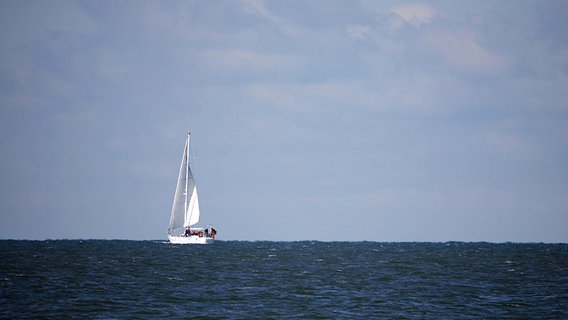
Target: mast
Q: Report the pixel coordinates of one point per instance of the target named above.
(185, 202)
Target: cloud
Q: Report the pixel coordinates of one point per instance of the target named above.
(415, 14)
(432, 40)
(359, 32)
(461, 50)
(258, 7)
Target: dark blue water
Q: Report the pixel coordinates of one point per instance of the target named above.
(236, 280)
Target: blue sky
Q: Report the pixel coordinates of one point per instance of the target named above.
(323, 120)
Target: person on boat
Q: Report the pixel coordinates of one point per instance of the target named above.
(206, 232)
(213, 233)
(187, 232)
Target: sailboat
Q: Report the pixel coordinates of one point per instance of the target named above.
(185, 209)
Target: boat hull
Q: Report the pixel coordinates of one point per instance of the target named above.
(190, 240)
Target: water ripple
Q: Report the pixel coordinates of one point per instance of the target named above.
(243, 280)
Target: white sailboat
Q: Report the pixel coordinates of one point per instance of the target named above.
(185, 209)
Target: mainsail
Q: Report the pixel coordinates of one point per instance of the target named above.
(185, 210)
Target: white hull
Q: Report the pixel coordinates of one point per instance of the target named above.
(190, 240)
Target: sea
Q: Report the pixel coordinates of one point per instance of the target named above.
(121, 279)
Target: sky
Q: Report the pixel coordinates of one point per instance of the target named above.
(310, 120)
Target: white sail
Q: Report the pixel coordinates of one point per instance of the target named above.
(185, 209)
(192, 213)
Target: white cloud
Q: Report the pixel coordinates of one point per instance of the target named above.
(462, 50)
(258, 7)
(415, 14)
(359, 32)
(436, 39)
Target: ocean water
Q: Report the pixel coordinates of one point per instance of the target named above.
(117, 279)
